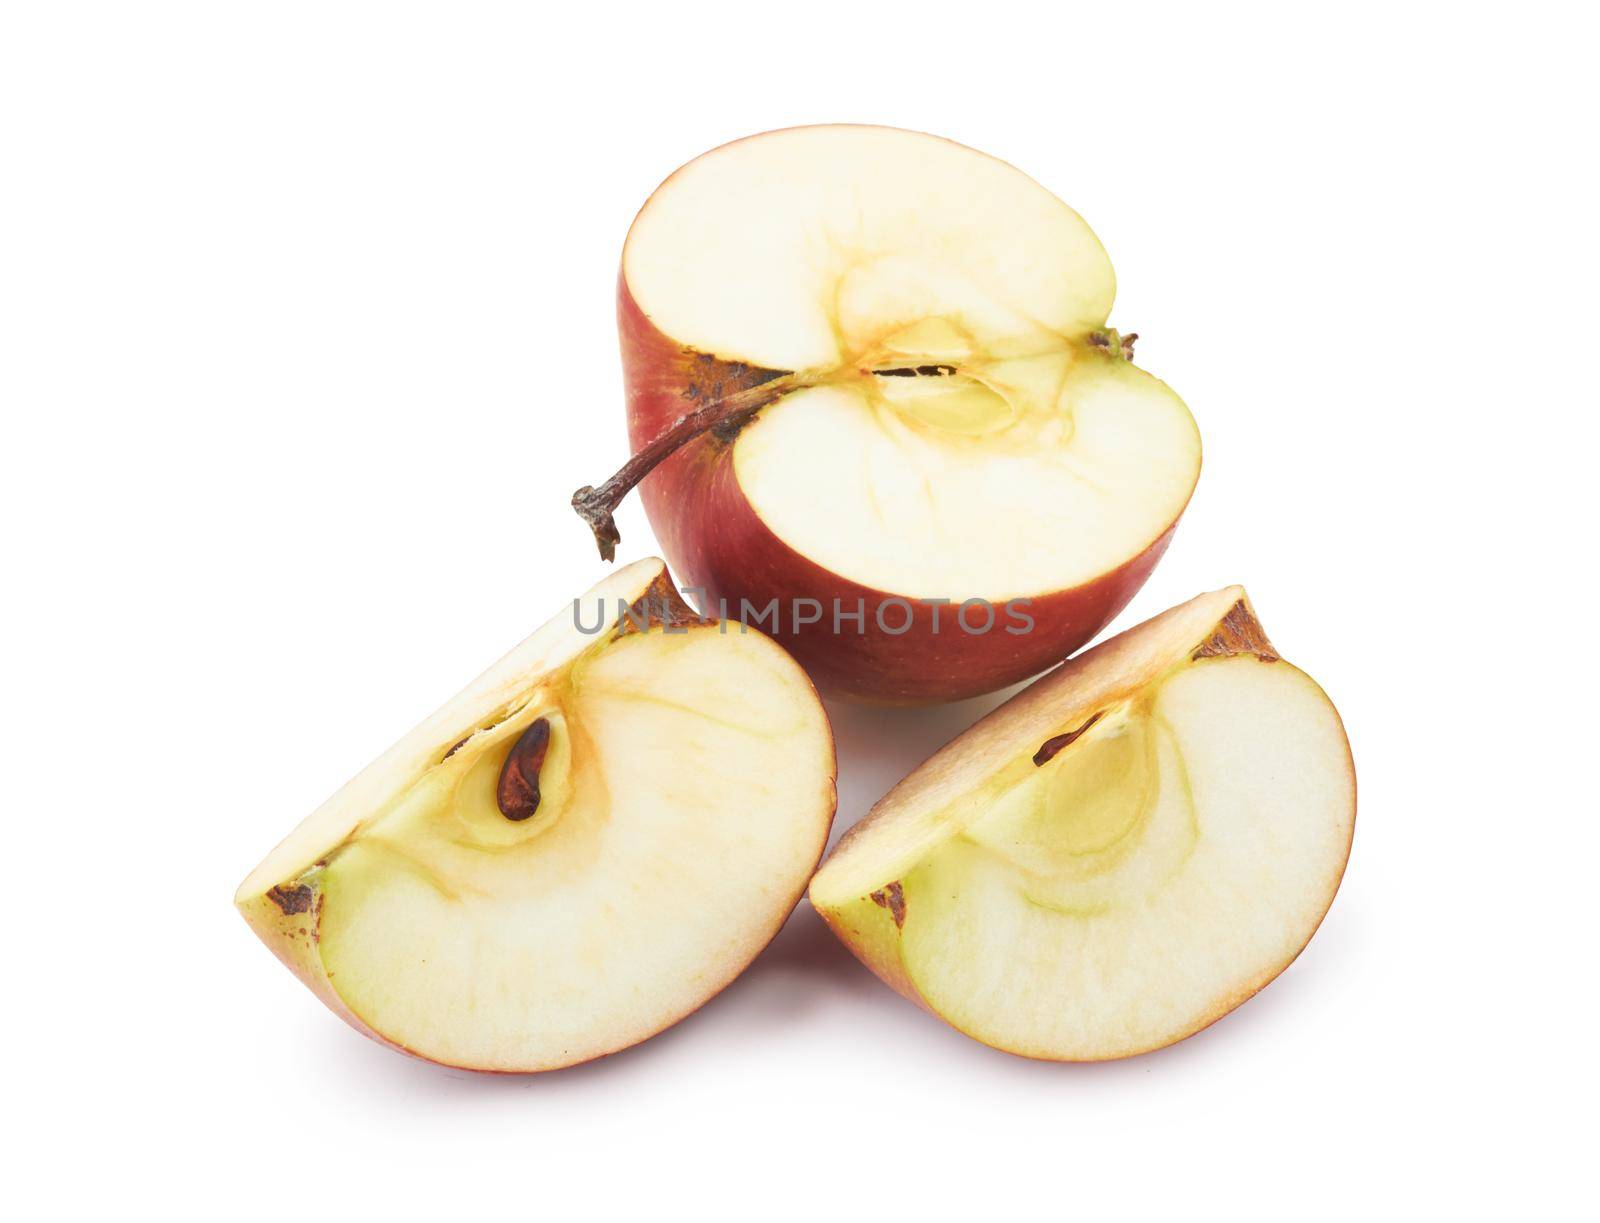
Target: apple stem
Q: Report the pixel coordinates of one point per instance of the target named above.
(723, 417)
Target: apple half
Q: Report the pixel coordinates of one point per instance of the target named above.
(580, 849)
(1116, 857)
(869, 377)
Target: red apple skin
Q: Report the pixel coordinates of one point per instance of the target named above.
(719, 548)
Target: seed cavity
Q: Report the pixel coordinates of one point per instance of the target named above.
(917, 371)
(517, 792)
(1048, 749)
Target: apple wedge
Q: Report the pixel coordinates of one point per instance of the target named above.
(577, 851)
(869, 381)
(1116, 857)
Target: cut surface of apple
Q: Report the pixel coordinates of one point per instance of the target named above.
(1116, 857)
(903, 345)
(586, 844)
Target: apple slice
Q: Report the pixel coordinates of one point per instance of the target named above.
(871, 374)
(1116, 857)
(577, 851)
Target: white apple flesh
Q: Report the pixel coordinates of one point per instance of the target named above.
(586, 844)
(1116, 857)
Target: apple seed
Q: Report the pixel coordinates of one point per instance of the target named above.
(518, 789)
(1048, 749)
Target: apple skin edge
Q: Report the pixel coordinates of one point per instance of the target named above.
(873, 939)
(286, 920)
(718, 545)
(868, 928)
(291, 934)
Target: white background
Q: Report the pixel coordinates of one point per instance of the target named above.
(306, 337)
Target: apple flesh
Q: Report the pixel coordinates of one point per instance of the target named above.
(1116, 857)
(869, 370)
(580, 849)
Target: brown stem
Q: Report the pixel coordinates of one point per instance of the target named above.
(725, 416)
